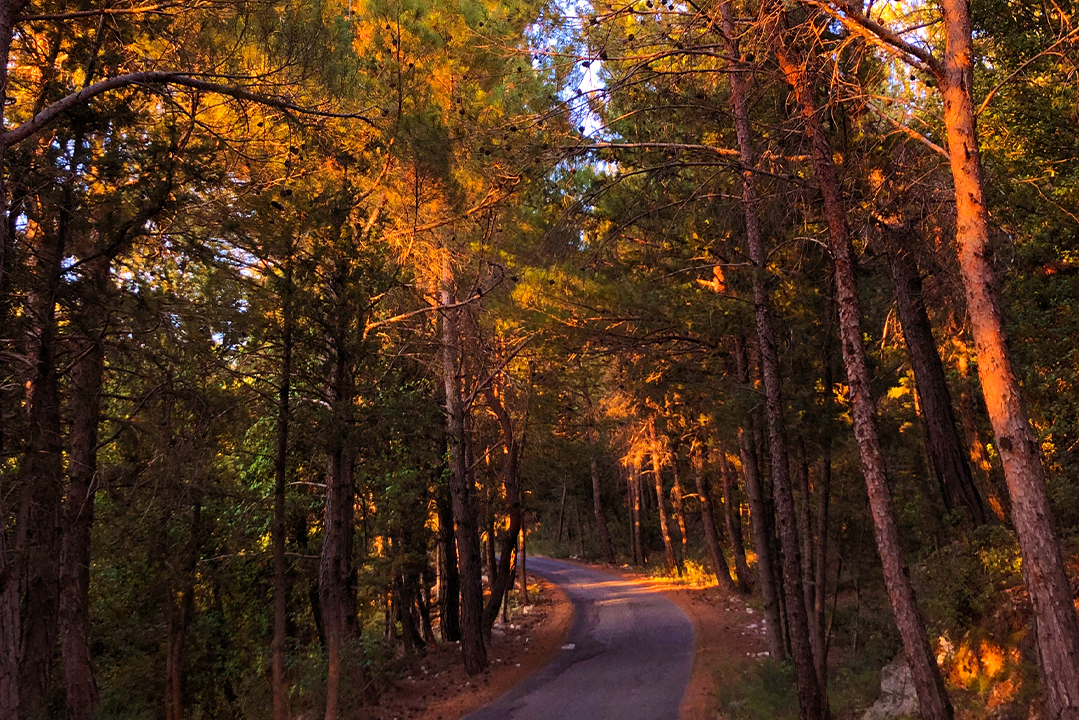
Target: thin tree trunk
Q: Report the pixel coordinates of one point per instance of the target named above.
(759, 515)
(522, 558)
(511, 482)
(932, 696)
(280, 589)
(811, 701)
(679, 505)
(1043, 566)
(808, 574)
(462, 490)
(657, 475)
(638, 535)
(733, 519)
(449, 588)
(708, 519)
(601, 521)
(824, 482)
(562, 510)
(948, 458)
(81, 693)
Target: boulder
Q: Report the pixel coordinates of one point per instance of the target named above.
(897, 695)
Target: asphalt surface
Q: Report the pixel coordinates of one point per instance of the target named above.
(628, 655)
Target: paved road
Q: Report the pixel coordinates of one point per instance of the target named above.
(628, 655)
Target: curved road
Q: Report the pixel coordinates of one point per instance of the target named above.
(627, 657)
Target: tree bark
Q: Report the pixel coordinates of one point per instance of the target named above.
(462, 491)
(636, 509)
(805, 536)
(949, 459)
(708, 519)
(81, 693)
(601, 521)
(679, 506)
(511, 481)
(280, 589)
(657, 476)
(811, 701)
(824, 482)
(759, 516)
(1043, 567)
(932, 696)
(733, 519)
(449, 587)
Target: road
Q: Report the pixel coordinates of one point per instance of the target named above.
(628, 655)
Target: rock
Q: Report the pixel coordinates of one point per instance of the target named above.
(897, 695)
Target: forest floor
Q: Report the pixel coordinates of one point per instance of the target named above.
(435, 687)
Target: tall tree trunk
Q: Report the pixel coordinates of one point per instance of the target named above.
(733, 519)
(280, 589)
(637, 509)
(337, 598)
(820, 570)
(180, 611)
(81, 692)
(678, 504)
(657, 476)
(597, 509)
(511, 481)
(1043, 566)
(811, 701)
(449, 586)
(806, 537)
(948, 458)
(995, 493)
(708, 519)
(759, 516)
(38, 527)
(932, 696)
(462, 491)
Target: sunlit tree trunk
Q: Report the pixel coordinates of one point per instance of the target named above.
(708, 519)
(932, 696)
(511, 481)
(679, 506)
(1043, 567)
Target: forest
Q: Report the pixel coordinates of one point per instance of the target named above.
(314, 312)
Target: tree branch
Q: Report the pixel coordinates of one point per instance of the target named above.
(156, 77)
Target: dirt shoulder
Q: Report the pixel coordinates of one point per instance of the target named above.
(436, 686)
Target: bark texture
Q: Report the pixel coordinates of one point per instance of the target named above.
(1043, 567)
(733, 518)
(932, 696)
(708, 519)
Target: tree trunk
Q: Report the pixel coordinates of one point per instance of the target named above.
(337, 599)
(638, 535)
(1043, 567)
(679, 506)
(657, 475)
(449, 586)
(38, 533)
(811, 701)
(521, 559)
(462, 491)
(932, 696)
(948, 458)
(759, 516)
(708, 519)
(511, 481)
(824, 482)
(805, 536)
(81, 692)
(601, 521)
(280, 590)
(733, 518)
